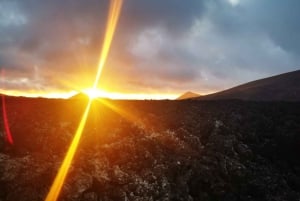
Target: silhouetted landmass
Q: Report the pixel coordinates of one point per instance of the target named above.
(284, 87)
(79, 96)
(83, 96)
(154, 150)
(188, 95)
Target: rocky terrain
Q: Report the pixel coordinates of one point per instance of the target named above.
(153, 150)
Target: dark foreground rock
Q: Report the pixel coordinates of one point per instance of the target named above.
(154, 150)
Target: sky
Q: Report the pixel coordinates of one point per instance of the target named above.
(161, 49)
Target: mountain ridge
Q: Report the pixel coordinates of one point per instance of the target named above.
(282, 87)
(188, 95)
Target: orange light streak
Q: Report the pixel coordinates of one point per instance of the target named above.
(63, 171)
(114, 13)
(126, 114)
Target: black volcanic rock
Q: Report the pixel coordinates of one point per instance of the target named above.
(178, 150)
(188, 95)
(284, 87)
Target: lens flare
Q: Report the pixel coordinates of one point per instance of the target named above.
(8, 134)
(93, 93)
(113, 16)
(62, 173)
(114, 13)
(121, 111)
(6, 124)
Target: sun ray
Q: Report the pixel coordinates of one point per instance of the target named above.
(114, 12)
(62, 173)
(93, 93)
(127, 115)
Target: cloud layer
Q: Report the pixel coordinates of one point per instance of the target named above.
(160, 46)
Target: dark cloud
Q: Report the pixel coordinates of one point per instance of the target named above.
(195, 44)
(280, 19)
(175, 15)
(276, 19)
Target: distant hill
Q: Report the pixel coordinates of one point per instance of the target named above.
(83, 96)
(79, 96)
(283, 87)
(187, 95)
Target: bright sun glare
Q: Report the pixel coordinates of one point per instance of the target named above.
(94, 93)
(113, 15)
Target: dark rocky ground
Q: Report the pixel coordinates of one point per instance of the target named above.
(154, 150)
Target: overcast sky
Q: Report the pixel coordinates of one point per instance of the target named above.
(160, 46)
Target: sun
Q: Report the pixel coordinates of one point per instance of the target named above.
(93, 93)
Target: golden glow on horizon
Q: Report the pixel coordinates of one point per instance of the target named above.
(93, 93)
(64, 168)
(114, 12)
(36, 94)
(98, 93)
